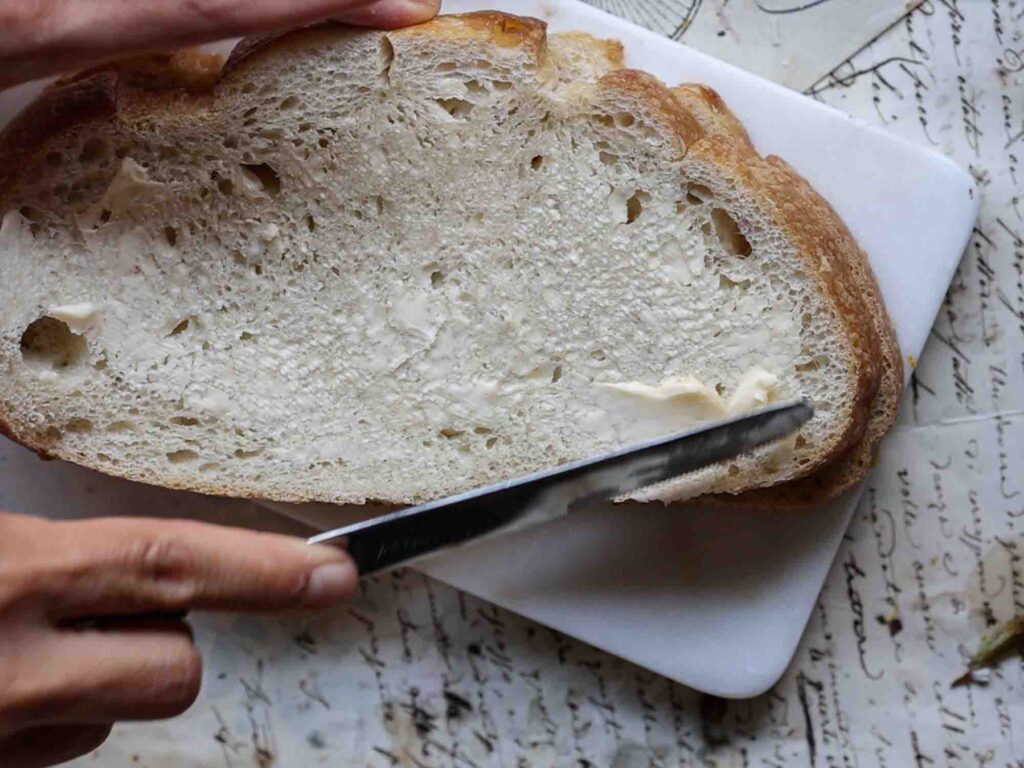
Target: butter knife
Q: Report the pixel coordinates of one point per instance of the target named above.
(400, 537)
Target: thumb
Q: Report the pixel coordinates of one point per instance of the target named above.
(388, 14)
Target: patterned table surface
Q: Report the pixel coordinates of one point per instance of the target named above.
(418, 674)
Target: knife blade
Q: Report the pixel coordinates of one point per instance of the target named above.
(402, 536)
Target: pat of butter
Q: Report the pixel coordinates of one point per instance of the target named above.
(130, 183)
(681, 401)
(15, 233)
(79, 318)
(637, 411)
(130, 188)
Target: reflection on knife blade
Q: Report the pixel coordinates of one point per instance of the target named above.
(402, 536)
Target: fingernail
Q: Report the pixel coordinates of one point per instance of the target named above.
(330, 583)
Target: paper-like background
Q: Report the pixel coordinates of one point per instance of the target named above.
(793, 42)
(416, 673)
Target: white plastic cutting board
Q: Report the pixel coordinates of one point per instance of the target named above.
(718, 598)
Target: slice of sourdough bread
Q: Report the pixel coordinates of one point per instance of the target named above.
(389, 266)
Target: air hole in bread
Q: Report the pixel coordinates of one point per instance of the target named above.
(105, 215)
(457, 108)
(49, 343)
(290, 102)
(171, 235)
(100, 364)
(635, 206)
(436, 278)
(93, 151)
(491, 442)
(536, 373)
(241, 453)
(501, 85)
(264, 175)
(447, 66)
(230, 142)
(556, 374)
(599, 355)
(185, 421)
(120, 426)
(33, 216)
(608, 158)
(226, 187)
(181, 327)
(78, 426)
(51, 435)
(450, 434)
(182, 456)
(248, 88)
(733, 470)
(800, 442)
(246, 336)
(480, 430)
(105, 458)
(729, 233)
(816, 362)
(537, 162)
(698, 193)
(210, 466)
(720, 389)
(310, 223)
(625, 120)
(475, 86)
(387, 57)
(724, 281)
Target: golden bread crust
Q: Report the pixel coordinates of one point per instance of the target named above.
(710, 111)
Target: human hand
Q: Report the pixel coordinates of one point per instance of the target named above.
(79, 645)
(46, 37)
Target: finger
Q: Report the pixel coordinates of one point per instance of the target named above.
(119, 566)
(389, 15)
(49, 745)
(97, 676)
(35, 43)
